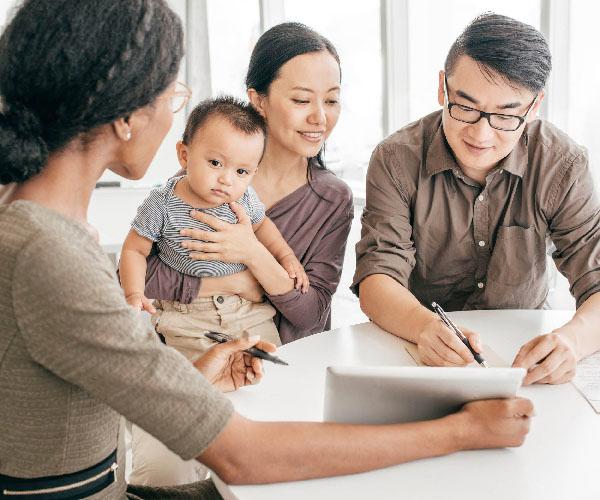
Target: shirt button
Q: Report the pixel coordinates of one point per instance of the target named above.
(480, 197)
(482, 243)
(480, 285)
(220, 299)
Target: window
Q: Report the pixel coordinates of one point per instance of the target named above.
(233, 28)
(354, 29)
(6, 10)
(583, 109)
(433, 27)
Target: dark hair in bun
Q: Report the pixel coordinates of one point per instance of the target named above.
(21, 145)
(68, 67)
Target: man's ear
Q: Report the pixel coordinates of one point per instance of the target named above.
(182, 154)
(257, 100)
(441, 77)
(533, 114)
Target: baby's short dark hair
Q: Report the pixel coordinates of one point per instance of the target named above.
(241, 115)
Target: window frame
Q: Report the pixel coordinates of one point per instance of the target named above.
(554, 22)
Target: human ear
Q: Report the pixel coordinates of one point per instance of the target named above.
(536, 107)
(257, 101)
(441, 77)
(122, 128)
(182, 154)
(125, 128)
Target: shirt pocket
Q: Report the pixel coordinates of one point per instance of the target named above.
(518, 257)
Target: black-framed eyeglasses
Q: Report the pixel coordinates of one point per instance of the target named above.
(498, 121)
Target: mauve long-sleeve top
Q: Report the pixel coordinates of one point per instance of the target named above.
(315, 221)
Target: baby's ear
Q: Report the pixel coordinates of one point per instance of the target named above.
(182, 153)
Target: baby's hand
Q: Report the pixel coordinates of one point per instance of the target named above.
(140, 302)
(295, 271)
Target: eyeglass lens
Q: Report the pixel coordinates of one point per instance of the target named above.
(501, 122)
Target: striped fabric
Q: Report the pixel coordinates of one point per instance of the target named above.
(163, 215)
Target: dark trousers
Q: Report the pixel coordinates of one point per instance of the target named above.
(201, 490)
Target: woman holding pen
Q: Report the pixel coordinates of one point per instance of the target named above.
(86, 87)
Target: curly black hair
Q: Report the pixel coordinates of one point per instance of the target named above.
(68, 67)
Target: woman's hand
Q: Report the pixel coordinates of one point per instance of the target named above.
(227, 243)
(548, 359)
(438, 346)
(494, 423)
(228, 368)
(237, 243)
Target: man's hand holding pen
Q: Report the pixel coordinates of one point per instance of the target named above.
(439, 346)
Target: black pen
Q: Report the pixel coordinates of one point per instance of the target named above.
(450, 324)
(254, 351)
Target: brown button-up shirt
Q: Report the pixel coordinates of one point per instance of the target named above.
(466, 246)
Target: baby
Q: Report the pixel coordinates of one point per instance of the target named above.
(221, 148)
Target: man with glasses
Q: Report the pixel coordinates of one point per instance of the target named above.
(461, 203)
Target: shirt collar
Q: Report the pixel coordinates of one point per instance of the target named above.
(517, 160)
(440, 158)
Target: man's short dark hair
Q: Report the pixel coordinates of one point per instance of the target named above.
(506, 47)
(241, 115)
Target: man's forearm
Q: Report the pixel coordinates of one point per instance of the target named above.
(583, 329)
(297, 451)
(392, 307)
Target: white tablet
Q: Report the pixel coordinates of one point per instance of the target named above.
(390, 394)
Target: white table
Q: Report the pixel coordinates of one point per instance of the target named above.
(559, 460)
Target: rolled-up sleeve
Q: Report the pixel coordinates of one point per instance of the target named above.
(574, 224)
(386, 245)
(308, 312)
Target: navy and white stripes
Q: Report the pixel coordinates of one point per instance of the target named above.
(163, 215)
